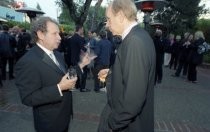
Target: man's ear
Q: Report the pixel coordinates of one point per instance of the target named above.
(40, 35)
(121, 16)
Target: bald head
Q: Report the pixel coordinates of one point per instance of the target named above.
(120, 14)
(126, 6)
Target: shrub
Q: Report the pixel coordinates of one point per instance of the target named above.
(206, 58)
(25, 25)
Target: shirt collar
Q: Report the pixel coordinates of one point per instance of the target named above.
(128, 29)
(48, 52)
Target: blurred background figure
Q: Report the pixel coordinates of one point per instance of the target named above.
(159, 47)
(194, 57)
(7, 50)
(184, 53)
(92, 41)
(103, 51)
(167, 47)
(23, 43)
(175, 50)
(76, 47)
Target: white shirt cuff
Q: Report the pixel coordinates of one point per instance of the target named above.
(59, 89)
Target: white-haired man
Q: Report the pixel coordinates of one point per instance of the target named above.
(130, 106)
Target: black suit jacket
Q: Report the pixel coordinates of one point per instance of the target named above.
(37, 77)
(75, 45)
(130, 105)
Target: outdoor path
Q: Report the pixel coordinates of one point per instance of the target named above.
(180, 106)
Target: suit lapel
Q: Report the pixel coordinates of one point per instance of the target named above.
(61, 63)
(46, 59)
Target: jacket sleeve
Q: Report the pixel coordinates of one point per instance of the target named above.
(29, 83)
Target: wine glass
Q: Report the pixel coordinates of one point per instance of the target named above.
(72, 74)
(102, 82)
(103, 74)
(92, 55)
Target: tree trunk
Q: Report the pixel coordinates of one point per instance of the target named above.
(95, 14)
(78, 18)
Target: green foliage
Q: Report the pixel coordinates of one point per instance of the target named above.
(99, 17)
(64, 17)
(179, 15)
(204, 25)
(67, 28)
(206, 58)
(78, 12)
(19, 24)
(5, 3)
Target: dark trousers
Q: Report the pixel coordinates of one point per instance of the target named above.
(1, 84)
(192, 73)
(84, 77)
(159, 71)
(173, 61)
(182, 65)
(4, 64)
(81, 83)
(97, 84)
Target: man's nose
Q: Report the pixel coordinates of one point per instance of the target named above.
(59, 37)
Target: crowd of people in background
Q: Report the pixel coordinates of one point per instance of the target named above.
(102, 45)
(15, 42)
(179, 53)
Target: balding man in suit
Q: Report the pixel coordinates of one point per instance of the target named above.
(130, 106)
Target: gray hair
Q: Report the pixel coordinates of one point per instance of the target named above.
(178, 37)
(158, 32)
(126, 6)
(40, 25)
(199, 34)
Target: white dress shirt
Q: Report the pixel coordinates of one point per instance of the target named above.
(52, 56)
(128, 29)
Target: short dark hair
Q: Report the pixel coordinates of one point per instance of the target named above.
(103, 34)
(23, 30)
(5, 27)
(78, 27)
(40, 25)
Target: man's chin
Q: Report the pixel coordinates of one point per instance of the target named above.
(114, 33)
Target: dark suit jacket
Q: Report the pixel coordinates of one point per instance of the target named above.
(130, 105)
(37, 77)
(75, 45)
(193, 56)
(103, 50)
(7, 45)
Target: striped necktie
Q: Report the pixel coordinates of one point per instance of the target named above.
(52, 56)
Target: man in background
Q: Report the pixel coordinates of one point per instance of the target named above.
(7, 51)
(76, 47)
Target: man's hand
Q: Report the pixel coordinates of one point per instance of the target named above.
(103, 74)
(84, 60)
(66, 83)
